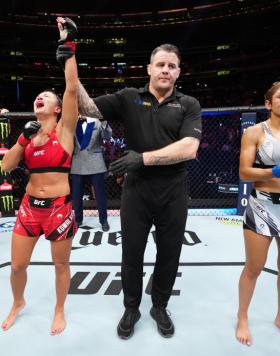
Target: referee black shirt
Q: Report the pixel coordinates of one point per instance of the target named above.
(150, 125)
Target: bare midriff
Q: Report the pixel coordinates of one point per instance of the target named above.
(272, 185)
(48, 185)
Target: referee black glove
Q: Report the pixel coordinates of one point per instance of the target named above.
(130, 161)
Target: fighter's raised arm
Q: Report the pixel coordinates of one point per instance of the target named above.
(65, 50)
(66, 58)
(46, 145)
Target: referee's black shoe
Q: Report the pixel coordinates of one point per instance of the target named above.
(164, 323)
(126, 325)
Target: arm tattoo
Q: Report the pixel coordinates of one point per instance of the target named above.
(87, 106)
(164, 160)
(176, 152)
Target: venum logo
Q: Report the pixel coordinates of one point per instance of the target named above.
(7, 202)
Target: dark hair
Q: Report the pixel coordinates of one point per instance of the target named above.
(167, 47)
(271, 91)
(58, 100)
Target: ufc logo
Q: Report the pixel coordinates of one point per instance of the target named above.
(39, 202)
(39, 153)
(22, 212)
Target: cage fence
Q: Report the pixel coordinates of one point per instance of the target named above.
(212, 177)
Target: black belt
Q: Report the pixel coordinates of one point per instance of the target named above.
(46, 202)
(260, 165)
(49, 169)
(274, 197)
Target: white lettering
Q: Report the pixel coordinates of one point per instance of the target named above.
(244, 201)
(65, 224)
(39, 153)
(39, 202)
(23, 213)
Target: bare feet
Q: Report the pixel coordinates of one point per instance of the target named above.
(58, 324)
(277, 320)
(242, 332)
(16, 309)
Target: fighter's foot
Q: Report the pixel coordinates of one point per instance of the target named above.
(242, 332)
(16, 309)
(59, 323)
(277, 320)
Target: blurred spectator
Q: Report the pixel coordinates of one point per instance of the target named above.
(88, 164)
(3, 110)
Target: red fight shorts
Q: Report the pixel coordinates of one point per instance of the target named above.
(53, 217)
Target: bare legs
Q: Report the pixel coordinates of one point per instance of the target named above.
(256, 248)
(277, 319)
(22, 248)
(60, 255)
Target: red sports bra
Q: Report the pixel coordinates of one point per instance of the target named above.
(50, 157)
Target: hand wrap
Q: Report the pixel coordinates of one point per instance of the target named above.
(66, 47)
(30, 128)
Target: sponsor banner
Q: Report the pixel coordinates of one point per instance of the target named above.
(3, 174)
(6, 201)
(4, 131)
(245, 188)
(92, 244)
(227, 188)
(230, 220)
(6, 226)
(103, 280)
(207, 239)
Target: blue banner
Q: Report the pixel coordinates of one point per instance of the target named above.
(244, 188)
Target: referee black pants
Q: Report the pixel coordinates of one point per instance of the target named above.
(161, 201)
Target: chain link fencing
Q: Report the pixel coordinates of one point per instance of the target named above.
(213, 177)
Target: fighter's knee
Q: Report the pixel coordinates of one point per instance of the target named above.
(18, 267)
(61, 267)
(253, 272)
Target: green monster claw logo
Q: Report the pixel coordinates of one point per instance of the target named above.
(4, 130)
(8, 202)
(2, 173)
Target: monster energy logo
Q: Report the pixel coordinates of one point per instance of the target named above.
(2, 173)
(4, 130)
(8, 202)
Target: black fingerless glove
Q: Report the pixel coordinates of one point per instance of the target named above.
(130, 161)
(66, 47)
(64, 52)
(31, 128)
(71, 30)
